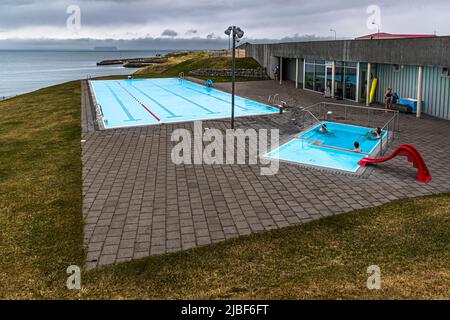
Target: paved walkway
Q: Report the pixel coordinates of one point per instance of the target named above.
(138, 203)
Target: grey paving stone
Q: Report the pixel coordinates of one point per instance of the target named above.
(136, 202)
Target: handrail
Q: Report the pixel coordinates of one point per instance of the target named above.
(390, 120)
(181, 75)
(100, 109)
(317, 119)
(390, 123)
(273, 99)
(276, 98)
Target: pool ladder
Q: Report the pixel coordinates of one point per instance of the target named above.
(181, 76)
(100, 116)
(312, 115)
(275, 100)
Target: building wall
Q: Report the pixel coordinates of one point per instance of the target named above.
(427, 52)
(436, 93)
(384, 53)
(436, 89)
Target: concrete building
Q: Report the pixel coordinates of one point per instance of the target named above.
(416, 68)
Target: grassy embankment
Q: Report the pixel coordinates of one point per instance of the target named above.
(197, 60)
(41, 232)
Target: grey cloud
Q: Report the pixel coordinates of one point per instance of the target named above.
(135, 44)
(191, 32)
(169, 33)
(258, 18)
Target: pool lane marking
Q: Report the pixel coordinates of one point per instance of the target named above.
(129, 115)
(184, 98)
(217, 98)
(149, 111)
(172, 115)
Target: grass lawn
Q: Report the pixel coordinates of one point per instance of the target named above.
(197, 60)
(42, 230)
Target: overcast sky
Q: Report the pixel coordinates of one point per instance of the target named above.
(171, 21)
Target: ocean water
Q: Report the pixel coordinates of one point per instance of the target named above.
(26, 71)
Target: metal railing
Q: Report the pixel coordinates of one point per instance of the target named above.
(312, 115)
(99, 106)
(391, 127)
(274, 99)
(387, 120)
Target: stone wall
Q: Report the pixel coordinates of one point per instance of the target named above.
(247, 73)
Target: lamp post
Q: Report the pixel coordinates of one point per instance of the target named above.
(378, 27)
(236, 34)
(335, 34)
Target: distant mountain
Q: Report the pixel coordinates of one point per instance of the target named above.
(105, 48)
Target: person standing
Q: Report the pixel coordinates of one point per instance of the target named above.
(388, 98)
(276, 73)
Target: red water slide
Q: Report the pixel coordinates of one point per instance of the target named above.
(413, 155)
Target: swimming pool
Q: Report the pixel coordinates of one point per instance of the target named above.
(333, 149)
(137, 102)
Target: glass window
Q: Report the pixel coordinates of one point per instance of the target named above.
(351, 64)
(320, 62)
(350, 83)
(309, 76)
(319, 84)
(309, 61)
(338, 85)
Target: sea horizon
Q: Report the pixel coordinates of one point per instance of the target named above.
(28, 70)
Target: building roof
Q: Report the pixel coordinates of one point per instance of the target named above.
(384, 35)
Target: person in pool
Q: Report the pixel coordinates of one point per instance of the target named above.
(376, 134)
(357, 147)
(323, 128)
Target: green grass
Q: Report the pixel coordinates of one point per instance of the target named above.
(212, 63)
(41, 233)
(40, 183)
(198, 61)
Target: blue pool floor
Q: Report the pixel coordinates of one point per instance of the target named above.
(137, 102)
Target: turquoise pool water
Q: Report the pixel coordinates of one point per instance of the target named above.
(333, 149)
(343, 136)
(137, 102)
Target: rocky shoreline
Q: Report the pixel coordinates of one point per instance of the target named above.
(140, 62)
(134, 62)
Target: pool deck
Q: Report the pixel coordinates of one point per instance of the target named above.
(137, 203)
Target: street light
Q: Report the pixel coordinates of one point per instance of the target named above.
(236, 33)
(335, 34)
